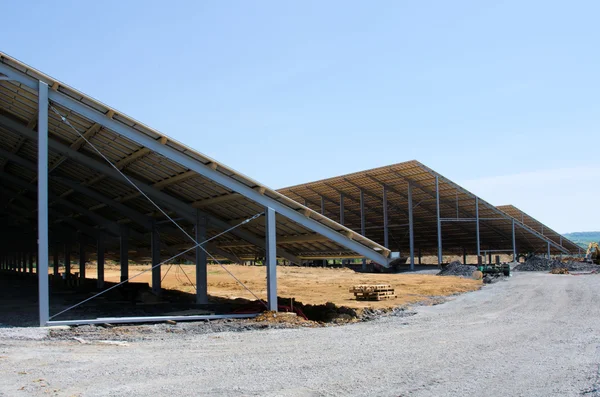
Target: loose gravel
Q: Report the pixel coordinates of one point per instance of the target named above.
(456, 268)
(537, 263)
(532, 336)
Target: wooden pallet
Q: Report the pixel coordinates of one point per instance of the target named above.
(371, 288)
(375, 292)
(374, 297)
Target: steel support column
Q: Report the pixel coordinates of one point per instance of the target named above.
(201, 261)
(477, 226)
(411, 232)
(548, 250)
(30, 262)
(341, 208)
(385, 219)
(100, 259)
(439, 223)
(67, 260)
(271, 258)
(363, 223)
(81, 256)
(155, 262)
(55, 261)
(514, 241)
(464, 256)
(42, 257)
(124, 253)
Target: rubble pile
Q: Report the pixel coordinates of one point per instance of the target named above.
(456, 268)
(540, 264)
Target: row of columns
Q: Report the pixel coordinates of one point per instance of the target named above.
(411, 222)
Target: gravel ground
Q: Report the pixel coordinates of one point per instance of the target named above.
(535, 335)
(537, 263)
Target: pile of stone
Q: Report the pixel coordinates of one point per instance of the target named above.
(540, 264)
(456, 268)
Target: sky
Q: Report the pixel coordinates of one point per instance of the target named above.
(502, 97)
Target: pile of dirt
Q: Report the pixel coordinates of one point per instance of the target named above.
(559, 270)
(539, 264)
(282, 318)
(456, 268)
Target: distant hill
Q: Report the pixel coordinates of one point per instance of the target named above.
(583, 238)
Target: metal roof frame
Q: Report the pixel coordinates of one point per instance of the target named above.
(464, 221)
(76, 189)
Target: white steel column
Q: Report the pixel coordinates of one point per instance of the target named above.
(124, 253)
(68, 260)
(43, 291)
(385, 219)
(81, 256)
(271, 258)
(341, 208)
(477, 226)
(56, 261)
(411, 233)
(201, 261)
(155, 259)
(100, 259)
(362, 223)
(439, 223)
(514, 241)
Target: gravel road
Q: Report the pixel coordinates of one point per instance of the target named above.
(534, 335)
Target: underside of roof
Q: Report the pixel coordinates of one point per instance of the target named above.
(539, 227)
(457, 211)
(90, 197)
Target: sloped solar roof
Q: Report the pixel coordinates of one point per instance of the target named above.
(457, 211)
(539, 227)
(89, 196)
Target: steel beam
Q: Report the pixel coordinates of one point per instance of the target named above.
(192, 164)
(151, 319)
(68, 260)
(411, 233)
(477, 225)
(386, 230)
(342, 209)
(56, 262)
(514, 241)
(124, 253)
(100, 259)
(201, 260)
(123, 209)
(81, 257)
(171, 202)
(43, 289)
(496, 210)
(362, 223)
(438, 216)
(271, 258)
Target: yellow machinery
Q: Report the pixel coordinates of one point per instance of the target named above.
(593, 253)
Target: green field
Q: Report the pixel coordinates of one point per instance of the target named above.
(583, 238)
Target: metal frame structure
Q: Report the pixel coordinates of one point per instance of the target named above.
(408, 205)
(108, 203)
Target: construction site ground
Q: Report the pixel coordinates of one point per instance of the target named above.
(535, 335)
(309, 285)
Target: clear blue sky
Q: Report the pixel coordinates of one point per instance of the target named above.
(290, 92)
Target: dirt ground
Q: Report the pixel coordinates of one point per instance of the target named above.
(308, 285)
